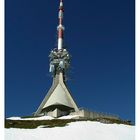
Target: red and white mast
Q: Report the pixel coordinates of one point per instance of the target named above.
(60, 28)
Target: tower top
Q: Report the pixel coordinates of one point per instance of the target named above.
(61, 3)
(59, 57)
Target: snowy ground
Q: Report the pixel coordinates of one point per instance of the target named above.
(43, 118)
(85, 130)
(37, 118)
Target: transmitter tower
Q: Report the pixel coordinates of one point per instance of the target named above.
(58, 101)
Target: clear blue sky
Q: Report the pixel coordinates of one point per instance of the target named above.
(98, 34)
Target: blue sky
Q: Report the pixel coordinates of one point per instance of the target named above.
(100, 37)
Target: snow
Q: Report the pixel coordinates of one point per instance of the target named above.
(43, 118)
(82, 130)
(14, 118)
(68, 117)
(35, 118)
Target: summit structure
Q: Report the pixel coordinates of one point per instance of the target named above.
(58, 101)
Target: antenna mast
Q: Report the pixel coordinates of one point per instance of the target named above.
(60, 27)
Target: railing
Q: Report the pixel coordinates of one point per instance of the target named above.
(100, 113)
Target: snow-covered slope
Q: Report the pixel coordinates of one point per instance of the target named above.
(83, 130)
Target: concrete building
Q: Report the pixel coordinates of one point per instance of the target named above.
(58, 101)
